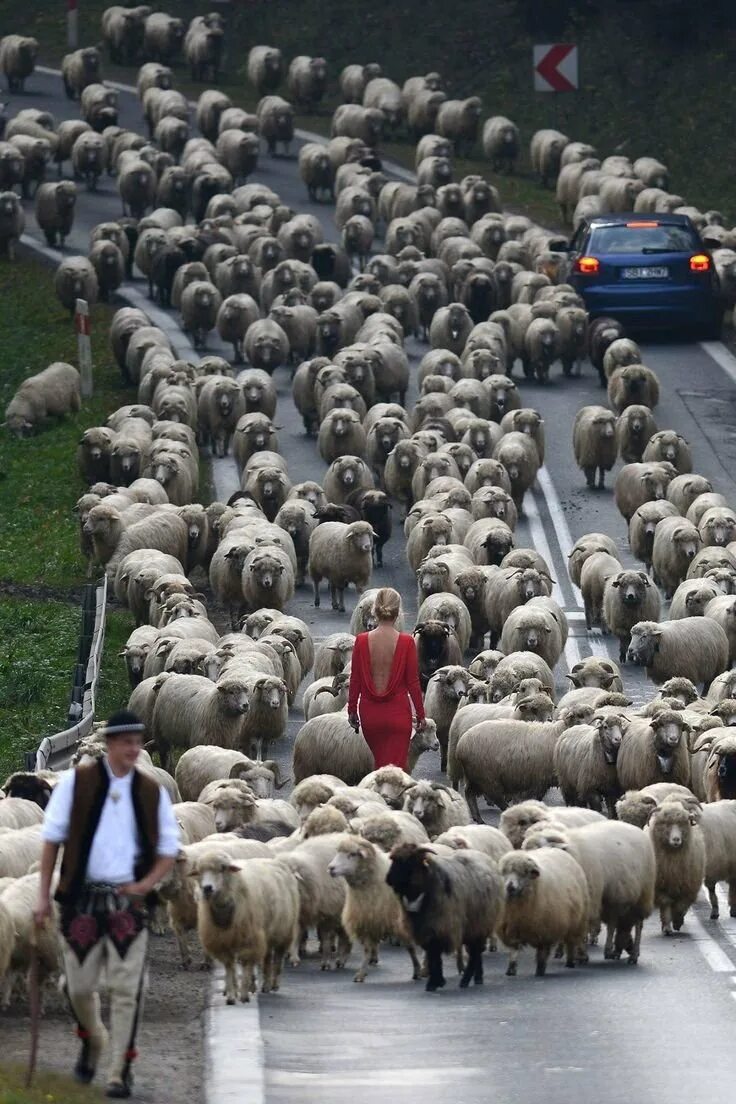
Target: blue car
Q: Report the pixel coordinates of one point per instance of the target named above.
(646, 271)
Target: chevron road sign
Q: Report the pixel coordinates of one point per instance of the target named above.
(555, 67)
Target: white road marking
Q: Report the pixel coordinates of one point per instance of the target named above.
(559, 521)
(573, 654)
(723, 357)
(713, 954)
(234, 1053)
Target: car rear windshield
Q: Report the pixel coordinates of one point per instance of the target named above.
(638, 238)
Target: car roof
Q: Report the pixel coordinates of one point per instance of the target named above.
(661, 217)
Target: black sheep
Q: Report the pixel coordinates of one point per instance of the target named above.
(375, 508)
(437, 646)
(449, 902)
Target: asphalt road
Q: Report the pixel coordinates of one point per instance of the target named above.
(609, 1033)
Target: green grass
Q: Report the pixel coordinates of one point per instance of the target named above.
(40, 642)
(41, 569)
(47, 1088)
(652, 76)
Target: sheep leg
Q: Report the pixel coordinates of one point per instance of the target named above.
(474, 967)
(512, 967)
(231, 982)
(678, 917)
(608, 948)
(416, 968)
(315, 583)
(665, 917)
(601, 478)
(542, 956)
(183, 945)
(436, 979)
(590, 477)
(560, 950)
(326, 948)
(714, 909)
(635, 944)
(571, 954)
(732, 898)
(472, 802)
(369, 950)
(343, 949)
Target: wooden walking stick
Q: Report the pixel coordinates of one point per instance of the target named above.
(34, 1001)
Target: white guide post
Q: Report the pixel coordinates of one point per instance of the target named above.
(84, 347)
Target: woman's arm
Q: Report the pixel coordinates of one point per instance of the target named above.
(413, 685)
(355, 687)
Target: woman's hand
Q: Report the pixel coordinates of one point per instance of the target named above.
(354, 721)
(419, 726)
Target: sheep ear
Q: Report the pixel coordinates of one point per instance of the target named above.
(615, 583)
(534, 872)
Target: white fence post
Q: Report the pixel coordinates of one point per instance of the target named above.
(84, 347)
(72, 24)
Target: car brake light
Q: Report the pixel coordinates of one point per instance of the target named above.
(700, 262)
(588, 266)
(640, 225)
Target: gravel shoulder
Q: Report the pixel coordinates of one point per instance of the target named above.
(171, 1062)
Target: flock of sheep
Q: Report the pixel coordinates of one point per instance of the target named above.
(355, 854)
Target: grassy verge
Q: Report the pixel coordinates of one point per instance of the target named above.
(47, 1088)
(39, 483)
(41, 570)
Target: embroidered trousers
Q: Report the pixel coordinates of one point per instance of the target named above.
(105, 937)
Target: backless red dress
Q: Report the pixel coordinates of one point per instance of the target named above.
(386, 718)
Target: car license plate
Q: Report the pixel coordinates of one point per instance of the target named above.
(649, 273)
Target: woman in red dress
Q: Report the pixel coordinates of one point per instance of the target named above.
(384, 676)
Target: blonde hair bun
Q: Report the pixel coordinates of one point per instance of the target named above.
(387, 604)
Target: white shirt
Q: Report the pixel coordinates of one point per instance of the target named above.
(115, 846)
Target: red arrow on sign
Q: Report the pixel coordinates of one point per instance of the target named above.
(549, 71)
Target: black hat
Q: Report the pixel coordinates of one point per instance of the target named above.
(121, 722)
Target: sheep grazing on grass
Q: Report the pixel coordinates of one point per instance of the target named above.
(679, 847)
(49, 394)
(247, 916)
(450, 902)
(694, 648)
(546, 903)
(372, 911)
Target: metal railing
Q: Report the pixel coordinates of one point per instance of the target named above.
(54, 752)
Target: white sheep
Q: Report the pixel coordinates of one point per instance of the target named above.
(507, 760)
(372, 911)
(190, 710)
(247, 915)
(436, 807)
(342, 554)
(546, 903)
(53, 392)
(679, 848)
(654, 749)
(585, 761)
(694, 648)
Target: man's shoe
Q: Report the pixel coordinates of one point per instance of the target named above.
(89, 1056)
(120, 1088)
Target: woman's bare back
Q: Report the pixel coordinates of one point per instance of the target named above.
(382, 643)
